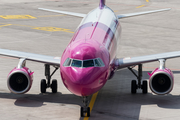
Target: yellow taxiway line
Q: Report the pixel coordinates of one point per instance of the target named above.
(140, 6)
(5, 25)
(50, 29)
(91, 104)
(51, 15)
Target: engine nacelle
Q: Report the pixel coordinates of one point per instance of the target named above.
(19, 80)
(161, 81)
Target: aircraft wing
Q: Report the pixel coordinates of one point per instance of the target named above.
(118, 16)
(65, 12)
(32, 57)
(140, 13)
(126, 62)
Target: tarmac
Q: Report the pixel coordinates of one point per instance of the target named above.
(25, 28)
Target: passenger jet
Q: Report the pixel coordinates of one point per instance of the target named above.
(90, 59)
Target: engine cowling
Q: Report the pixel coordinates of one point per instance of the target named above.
(161, 81)
(19, 80)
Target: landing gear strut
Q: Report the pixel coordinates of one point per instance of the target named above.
(47, 83)
(85, 109)
(134, 84)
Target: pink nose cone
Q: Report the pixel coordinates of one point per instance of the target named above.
(83, 81)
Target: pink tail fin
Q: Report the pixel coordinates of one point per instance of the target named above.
(102, 4)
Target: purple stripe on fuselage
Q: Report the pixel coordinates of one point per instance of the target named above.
(98, 25)
(101, 33)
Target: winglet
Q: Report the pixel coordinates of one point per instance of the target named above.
(102, 4)
(149, 74)
(31, 73)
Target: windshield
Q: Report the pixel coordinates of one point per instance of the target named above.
(97, 62)
(88, 63)
(76, 63)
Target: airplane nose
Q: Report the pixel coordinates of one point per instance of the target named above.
(84, 81)
(82, 76)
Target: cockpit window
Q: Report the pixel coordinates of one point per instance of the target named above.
(101, 62)
(88, 63)
(76, 63)
(67, 62)
(97, 62)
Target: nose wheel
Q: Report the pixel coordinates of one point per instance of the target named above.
(85, 109)
(46, 83)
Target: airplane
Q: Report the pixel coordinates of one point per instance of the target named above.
(90, 59)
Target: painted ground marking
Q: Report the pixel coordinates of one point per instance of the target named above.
(91, 104)
(53, 29)
(140, 6)
(51, 15)
(17, 17)
(5, 25)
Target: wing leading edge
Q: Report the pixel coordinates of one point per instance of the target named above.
(32, 57)
(118, 16)
(65, 12)
(126, 62)
(140, 13)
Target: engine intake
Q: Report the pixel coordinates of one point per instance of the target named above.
(161, 81)
(19, 80)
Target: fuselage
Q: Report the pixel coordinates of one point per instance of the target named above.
(87, 62)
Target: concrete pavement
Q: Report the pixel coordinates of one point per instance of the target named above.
(25, 28)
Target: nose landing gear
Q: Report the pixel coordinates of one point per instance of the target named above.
(85, 109)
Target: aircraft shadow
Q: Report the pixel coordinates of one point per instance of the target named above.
(37, 100)
(114, 100)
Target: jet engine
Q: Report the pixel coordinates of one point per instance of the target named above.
(161, 81)
(19, 80)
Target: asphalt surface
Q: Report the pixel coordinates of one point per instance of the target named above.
(25, 28)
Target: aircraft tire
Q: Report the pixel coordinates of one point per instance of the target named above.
(144, 87)
(82, 112)
(88, 112)
(133, 86)
(43, 86)
(54, 86)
